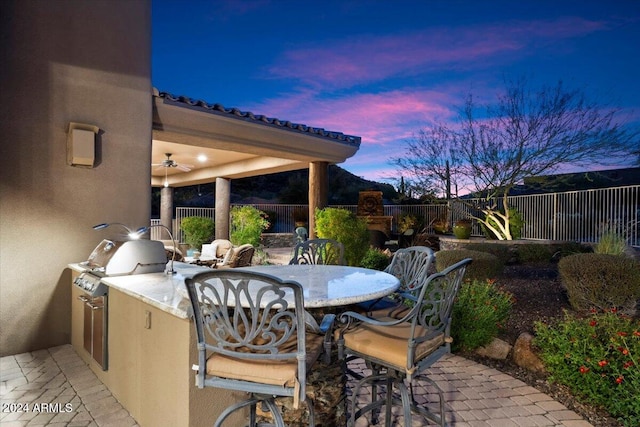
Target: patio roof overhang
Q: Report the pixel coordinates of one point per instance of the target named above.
(236, 144)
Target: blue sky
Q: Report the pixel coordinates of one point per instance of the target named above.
(382, 70)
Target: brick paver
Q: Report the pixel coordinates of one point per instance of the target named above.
(58, 389)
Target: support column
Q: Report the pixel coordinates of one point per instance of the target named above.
(166, 211)
(223, 205)
(318, 196)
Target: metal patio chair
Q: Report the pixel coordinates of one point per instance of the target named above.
(411, 266)
(398, 351)
(251, 337)
(318, 251)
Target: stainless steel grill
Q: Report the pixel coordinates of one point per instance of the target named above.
(111, 258)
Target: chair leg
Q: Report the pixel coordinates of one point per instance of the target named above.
(373, 406)
(407, 402)
(440, 419)
(252, 401)
(275, 412)
(375, 371)
(389, 402)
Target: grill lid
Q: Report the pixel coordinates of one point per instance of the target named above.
(115, 258)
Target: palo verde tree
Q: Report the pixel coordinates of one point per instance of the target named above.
(525, 133)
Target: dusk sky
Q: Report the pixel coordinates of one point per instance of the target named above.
(382, 70)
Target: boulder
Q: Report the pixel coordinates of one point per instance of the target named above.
(524, 356)
(496, 349)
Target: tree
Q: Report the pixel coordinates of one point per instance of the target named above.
(524, 133)
(432, 162)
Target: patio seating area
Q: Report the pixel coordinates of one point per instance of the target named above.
(476, 394)
(54, 387)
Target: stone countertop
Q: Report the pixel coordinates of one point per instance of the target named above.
(323, 286)
(160, 290)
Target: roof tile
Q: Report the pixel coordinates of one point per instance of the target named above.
(261, 119)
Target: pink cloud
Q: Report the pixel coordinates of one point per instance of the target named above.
(372, 58)
(377, 118)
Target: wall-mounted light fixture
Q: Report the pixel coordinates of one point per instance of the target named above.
(81, 145)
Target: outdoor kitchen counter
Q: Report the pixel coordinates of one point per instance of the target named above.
(151, 348)
(159, 290)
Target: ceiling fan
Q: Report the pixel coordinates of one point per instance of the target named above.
(170, 163)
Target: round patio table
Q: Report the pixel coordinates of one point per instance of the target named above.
(333, 285)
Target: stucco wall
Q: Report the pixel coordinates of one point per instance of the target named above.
(63, 61)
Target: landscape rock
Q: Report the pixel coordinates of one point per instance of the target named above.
(497, 349)
(524, 356)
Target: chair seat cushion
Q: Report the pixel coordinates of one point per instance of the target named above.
(275, 372)
(389, 343)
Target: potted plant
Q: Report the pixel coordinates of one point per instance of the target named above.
(301, 217)
(197, 230)
(462, 229)
(441, 226)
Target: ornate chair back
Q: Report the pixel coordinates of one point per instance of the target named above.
(250, 330)
(403, 348)
(318, 251)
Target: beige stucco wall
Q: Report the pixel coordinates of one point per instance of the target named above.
(63, 61)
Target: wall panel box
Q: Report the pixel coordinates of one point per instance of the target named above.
(81, 145)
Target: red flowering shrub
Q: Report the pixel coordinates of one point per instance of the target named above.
(598, 358)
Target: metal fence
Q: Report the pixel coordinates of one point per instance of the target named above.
(570, 216)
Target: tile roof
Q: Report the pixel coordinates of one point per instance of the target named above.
(259, 119)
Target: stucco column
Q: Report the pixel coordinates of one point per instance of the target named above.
(166, 211)
(318, 197)
(223, 205)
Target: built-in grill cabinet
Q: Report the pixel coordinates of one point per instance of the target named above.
(111, 258)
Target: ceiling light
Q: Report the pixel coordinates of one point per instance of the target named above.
(202, 158)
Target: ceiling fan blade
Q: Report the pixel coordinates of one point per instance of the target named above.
(183, 168)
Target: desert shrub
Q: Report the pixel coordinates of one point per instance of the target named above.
(499, 250)
(600, 280)
(247, 224)
(571, 248)
(534, 253)
(406, 221)
(484, 265)
(598, 358)
(272, 218)
(611, 243)
(343, 226)
(479, 313)
(197, 230)
(375, 259)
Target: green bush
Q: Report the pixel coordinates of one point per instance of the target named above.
(597, 357)
(534, 253)
(247, 224)
(197, 230)
(499, 250)
(484, 265)
(375, 259)
(479, 312)
(571, 248)
(343, 226)
(611, 243)
(600, 280)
